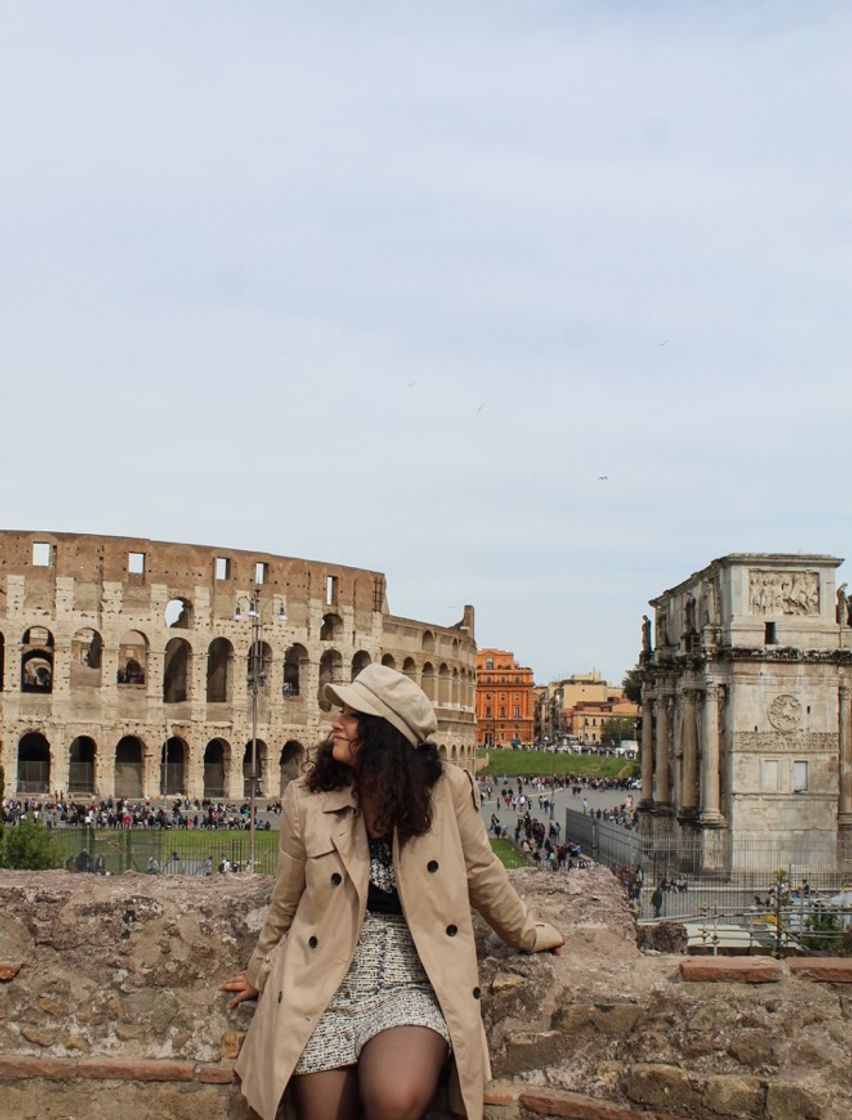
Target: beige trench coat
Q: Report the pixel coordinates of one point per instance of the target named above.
(318, 904)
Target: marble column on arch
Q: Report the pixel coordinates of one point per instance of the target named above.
(711, 815)
(662, 791)
(689, 761)
(647, 753)
(844, 806)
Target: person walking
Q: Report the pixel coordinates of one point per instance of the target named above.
(366, 963)
(657, 899)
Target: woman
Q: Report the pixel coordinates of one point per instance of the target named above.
(367, 956)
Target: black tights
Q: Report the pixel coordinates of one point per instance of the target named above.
(395, 1079)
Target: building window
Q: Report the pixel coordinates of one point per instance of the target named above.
(331, 589)
(488, 713)
(41, 554)
(800, 777)
(136, 563)
(770, 637)
(489, 664)
(222, 568)
(517, 713)
(261, 572)
(769, 775)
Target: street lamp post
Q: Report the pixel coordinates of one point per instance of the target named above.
(255, 679)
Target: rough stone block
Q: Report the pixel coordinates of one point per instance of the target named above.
(608, 1019)
(833, 970)
(661, 1085)
(741, 970)
(752, 1048)
(795, 1102)
(9, 971)
(735, 1096)
(231, 1044)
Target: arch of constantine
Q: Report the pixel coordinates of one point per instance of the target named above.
(747, 718)
(127, 665)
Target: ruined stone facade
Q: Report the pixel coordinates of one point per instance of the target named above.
(127, 666)
(747, 724)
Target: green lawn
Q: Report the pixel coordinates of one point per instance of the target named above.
(508, 854)
(511, 764)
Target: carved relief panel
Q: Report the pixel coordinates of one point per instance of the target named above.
(783, 592)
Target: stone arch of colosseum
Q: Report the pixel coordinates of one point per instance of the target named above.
(124, 663)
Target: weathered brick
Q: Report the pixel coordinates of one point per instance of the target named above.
(215, 1075)
(834, 970)
(501, 1094)
(574, 1106)
(14, 1067)
(114, 1069)
(741, 970)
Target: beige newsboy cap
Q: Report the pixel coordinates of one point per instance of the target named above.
(381, 691)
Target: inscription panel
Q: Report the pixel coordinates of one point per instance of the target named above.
(779, 742)
(783, 592)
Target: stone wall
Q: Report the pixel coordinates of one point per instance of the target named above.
(108, 994)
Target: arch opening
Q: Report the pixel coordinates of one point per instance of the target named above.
(360, 661)
(132, 658)
(33, 763)
(220, 654)
(81, 765)
(290, 762)
(178, 614)
(37, 660)
(172, 766)
(86, 658)
(177, 671)
(260, 768)
(295, 670)
(330, 672)
(217, 755)
(129, 763)
(332, 628)
(389, 660)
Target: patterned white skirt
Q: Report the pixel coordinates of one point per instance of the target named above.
(386, 986)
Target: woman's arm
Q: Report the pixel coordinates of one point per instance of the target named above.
(490, 889)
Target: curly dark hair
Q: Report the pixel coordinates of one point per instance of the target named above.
(394, 776)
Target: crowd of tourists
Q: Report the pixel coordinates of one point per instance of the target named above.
(122, 813)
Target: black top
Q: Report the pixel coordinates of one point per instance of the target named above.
(382, 896)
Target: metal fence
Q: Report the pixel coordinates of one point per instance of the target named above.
(810, 865)
(165, 851)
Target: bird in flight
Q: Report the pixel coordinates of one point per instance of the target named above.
(665, 342)
(480, 408)
(603, 478)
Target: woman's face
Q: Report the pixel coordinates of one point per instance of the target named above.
(344, 733)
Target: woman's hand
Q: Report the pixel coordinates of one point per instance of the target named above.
(241, 986)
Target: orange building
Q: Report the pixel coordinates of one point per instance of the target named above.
(505, 709)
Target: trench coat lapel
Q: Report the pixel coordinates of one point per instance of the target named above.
(349, 835)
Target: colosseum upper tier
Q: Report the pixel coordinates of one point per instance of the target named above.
(136, 668)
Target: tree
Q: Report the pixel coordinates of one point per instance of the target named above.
(632, 685)
(617, 728)
(28, 847)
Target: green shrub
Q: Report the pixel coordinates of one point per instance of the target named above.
(28, 847)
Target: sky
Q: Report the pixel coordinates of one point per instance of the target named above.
(539, 306)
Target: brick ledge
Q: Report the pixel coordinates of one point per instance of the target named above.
(17, 1066)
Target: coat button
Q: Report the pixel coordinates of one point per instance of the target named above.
(452, 931)
(432, 865)
(336, 879)
(312, 941)
(477, 992)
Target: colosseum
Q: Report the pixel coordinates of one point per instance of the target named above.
(135, 668)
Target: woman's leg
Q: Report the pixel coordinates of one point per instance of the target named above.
(398, 1073)
(329, 1095)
